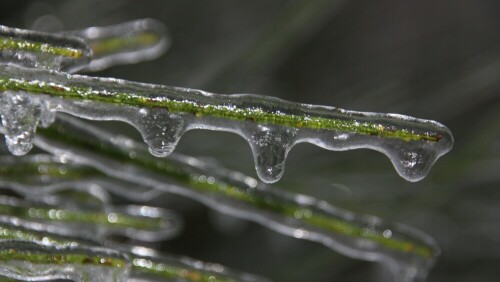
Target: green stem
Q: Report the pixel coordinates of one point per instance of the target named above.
(145, 265)
(257, 112)
(110, 219)
(62, 258)
(16, 45)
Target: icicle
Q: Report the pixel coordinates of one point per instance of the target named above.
(413, 145)
(21, 113)
(154, 267)
(270, 146)
(43, 50)
(404, 249)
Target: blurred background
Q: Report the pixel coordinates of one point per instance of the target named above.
(436, 60)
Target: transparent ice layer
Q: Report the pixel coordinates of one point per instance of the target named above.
(408, 252)
(142, 223)
(271, 126)
(146, 264)
(43, 50)
(41, 175)
(32, 261)
(21, 114)
(124, 43)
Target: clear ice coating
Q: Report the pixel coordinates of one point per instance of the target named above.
(124, 43)
(271, 126)
(21, 114)
(47, 174)
(30, 261)
(137, 222)
(408, 252)
(43, 50)
(146, 264)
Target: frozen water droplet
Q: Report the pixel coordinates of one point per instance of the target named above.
(270, 147)
(21, 114)
(160, 130)
(413, 160)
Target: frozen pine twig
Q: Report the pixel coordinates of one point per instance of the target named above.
(405, 249)
(163, 113)
(124, 43)
(145, 264)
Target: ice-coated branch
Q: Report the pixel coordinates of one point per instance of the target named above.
(358, 236)
(138, 222)
(43, 50)
(33, 261)
(145, 264)
(162, 114)
(40, 175)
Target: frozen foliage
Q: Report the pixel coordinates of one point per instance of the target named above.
(407, 251)
(38, 262)
(146, 264)
(43, 50)
(35, 84)
(271, 126)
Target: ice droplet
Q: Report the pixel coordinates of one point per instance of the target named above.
(160, 130)
(270, 146)
(21, 113)
(412, 145)
(38, 183)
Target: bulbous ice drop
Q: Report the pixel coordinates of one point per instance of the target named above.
(21, 113)
(160, 130)
(32, 261)
(412, 144)
(270, 146)
(43, 50)
(124, 43)
(409, 252)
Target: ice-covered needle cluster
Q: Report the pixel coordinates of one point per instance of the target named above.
(63, 226)
(163, 113)
(410, 253)
(65, 236)
(36, 81)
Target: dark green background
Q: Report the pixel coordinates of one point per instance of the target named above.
(431, 59)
